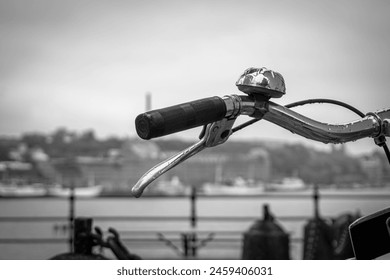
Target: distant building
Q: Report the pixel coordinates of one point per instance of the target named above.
(372, 167)
(140, 149)
(17, 172)
(38, 155)
(19, 153)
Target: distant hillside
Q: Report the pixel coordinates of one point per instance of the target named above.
(313, 166)
(335, 167)
(231, 146)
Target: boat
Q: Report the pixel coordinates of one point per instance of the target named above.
(90, 191)
(239, 186)
(14, 190)
(233, 186)
(174, 186)
(288, 184)
(220, 189)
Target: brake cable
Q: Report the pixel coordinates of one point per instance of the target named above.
(319, 100)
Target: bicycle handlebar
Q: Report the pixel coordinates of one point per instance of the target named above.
(177, 118)
(219, 114)
(369, 126)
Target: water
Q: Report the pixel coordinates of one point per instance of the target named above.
(140, 220)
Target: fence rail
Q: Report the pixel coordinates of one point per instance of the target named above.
(146, 237)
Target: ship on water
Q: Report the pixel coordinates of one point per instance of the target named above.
(15, 190)
(238, 186)
(89, 191)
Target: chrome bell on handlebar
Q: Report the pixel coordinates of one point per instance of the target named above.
(262, 81)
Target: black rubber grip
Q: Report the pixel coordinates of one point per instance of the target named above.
(180, 117)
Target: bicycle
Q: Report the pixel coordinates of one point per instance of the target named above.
(85, 240)
(217, 115)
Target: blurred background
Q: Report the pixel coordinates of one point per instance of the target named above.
(75, 74)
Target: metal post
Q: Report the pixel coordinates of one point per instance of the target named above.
(192, 238)
(316, 197)
(193, 217)
(194, 244)
(71, 218)
(184, 239)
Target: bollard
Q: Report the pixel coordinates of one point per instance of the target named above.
(266, 240)
(318, 235)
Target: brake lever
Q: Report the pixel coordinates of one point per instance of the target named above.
(214, 134)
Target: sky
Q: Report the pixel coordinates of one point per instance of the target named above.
(89, 64)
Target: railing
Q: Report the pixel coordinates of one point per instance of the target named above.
(186, 241)
(195, 230)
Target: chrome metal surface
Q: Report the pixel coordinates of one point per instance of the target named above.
(247, 105)
(164, 166)
(233, 105)
(239, 105)
(262, 81)
(385, 117)
(386, 127)
(322, 132)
